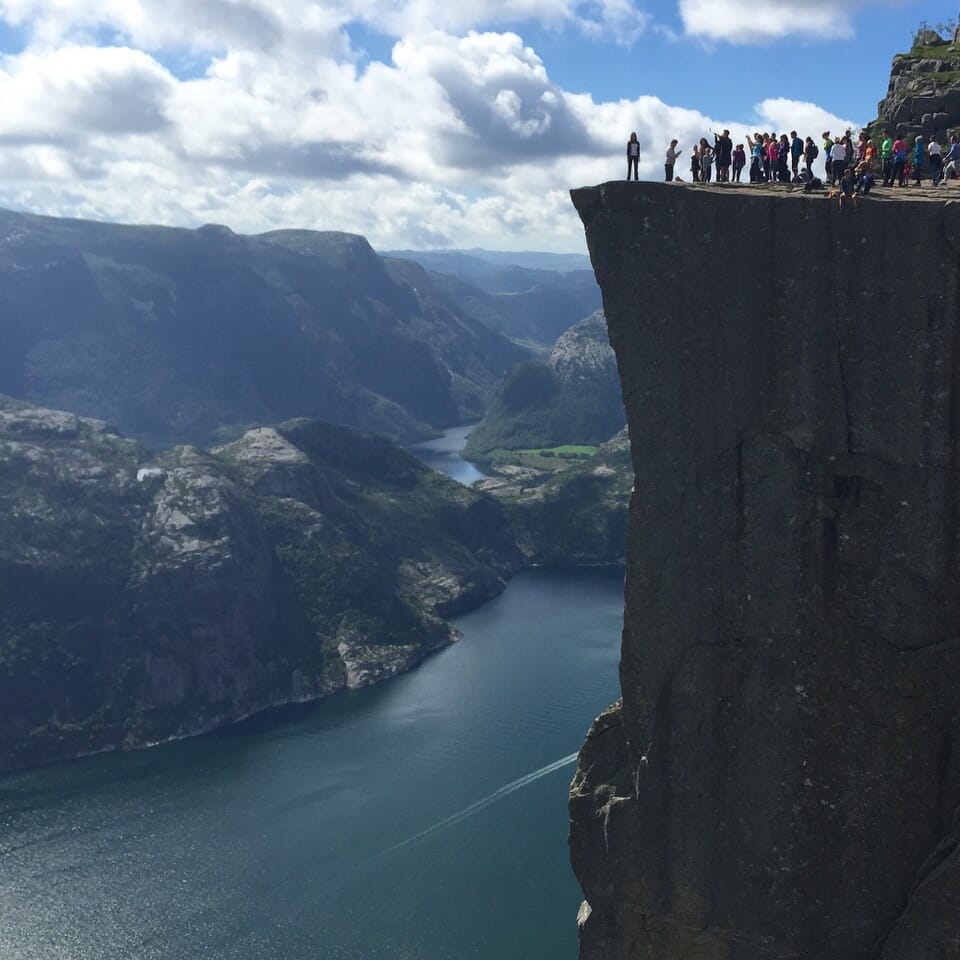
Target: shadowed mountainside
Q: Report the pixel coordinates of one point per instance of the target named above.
(532, 300)
(573, 397)
(145, 598)
(173, 334)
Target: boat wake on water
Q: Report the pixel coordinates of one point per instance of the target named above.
(487, 801)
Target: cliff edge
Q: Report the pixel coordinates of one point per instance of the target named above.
(782, 776)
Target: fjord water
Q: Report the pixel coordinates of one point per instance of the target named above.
(443, 454)
(421, 819)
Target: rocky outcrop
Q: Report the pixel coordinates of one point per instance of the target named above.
(583, 352)
(575, 516)
(924, 92)
(574, 397)
(782, 777)
(146, 598)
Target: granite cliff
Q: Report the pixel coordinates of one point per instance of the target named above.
(782, 776)
(144, 598)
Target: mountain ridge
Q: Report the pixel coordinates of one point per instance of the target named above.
(147, 597)
(175, 334)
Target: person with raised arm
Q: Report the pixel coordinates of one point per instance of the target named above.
(670, 159)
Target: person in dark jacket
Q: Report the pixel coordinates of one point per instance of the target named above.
(739, 162)
(783, 153)
(796, 152)
(810, 153)
(724, 153)
(633, 156)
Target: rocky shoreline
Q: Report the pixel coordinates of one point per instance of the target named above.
(150, 598)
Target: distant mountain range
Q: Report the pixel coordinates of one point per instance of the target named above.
(192, 335)
(477, 263)
(530, 297)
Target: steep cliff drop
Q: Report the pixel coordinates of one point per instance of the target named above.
(782, 777)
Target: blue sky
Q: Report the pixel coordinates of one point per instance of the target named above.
(417, 123)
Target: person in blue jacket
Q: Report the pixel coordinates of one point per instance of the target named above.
(796, 152)
(919, 151)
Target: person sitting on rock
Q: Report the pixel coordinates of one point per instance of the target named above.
(864, 177)
(848, 191)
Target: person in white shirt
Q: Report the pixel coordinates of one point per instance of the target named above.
(838, 154)
(670, 160)
(936, 160)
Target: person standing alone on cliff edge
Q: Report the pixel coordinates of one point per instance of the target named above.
(633, 156)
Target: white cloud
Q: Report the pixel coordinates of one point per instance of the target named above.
(761, 21)
(618, 20)
(74, 93)
(315, 25)
(780, 115)
(462, 139)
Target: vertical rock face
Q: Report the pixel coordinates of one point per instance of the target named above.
(782, 777)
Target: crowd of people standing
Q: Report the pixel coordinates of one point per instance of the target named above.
(790, 159)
